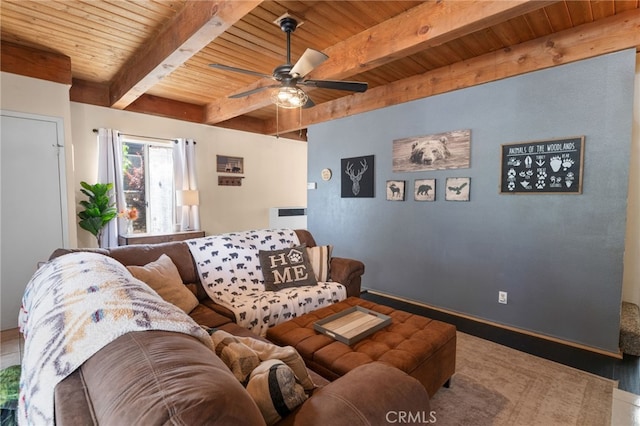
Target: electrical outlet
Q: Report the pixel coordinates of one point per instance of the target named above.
(502, 297)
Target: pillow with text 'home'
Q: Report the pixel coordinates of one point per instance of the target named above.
(285, 268)
(320, 259)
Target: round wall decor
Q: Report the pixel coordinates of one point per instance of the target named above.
(326, 174)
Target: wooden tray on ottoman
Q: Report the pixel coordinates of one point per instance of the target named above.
(352, 325)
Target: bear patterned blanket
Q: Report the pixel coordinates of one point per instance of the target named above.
(72, 307)
(230, 272)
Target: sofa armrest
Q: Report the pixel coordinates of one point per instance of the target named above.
(154, 377)
(347, 272)
(371, 394)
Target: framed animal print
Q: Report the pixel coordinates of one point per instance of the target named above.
(448, 150)
(424, 190)
(357, 177)
(226, 164)
(395, 190)
(457, 189)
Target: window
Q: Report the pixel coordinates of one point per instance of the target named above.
(147, 175)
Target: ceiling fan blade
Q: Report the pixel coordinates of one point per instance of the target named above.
(240, 70)
(352, 86)
(309, 104)
(310, 59)
(252, 91)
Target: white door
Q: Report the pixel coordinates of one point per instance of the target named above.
(32, 203)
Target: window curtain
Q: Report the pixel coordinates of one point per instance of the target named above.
(109, 171)
(184, 166)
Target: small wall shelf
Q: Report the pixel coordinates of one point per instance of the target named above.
(230, 180)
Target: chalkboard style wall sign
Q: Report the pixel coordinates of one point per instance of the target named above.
(543, 167)
(357, 177)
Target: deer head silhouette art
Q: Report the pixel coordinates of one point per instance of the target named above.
(355, 177)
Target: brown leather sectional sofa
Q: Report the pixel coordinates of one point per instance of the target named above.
(159, 377)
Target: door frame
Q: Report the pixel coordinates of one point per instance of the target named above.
(62, 170)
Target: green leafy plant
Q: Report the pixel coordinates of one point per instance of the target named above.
(98, 210)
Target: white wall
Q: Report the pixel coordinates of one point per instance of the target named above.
(631, 277)
(275, 169)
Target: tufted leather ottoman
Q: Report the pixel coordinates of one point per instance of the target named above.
(419, 346)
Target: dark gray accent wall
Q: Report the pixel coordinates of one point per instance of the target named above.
(559, 257)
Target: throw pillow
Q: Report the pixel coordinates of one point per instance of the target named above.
(320, 259)
(274, 388)
(240, 358)
(163, 276)
(234, 356)
(285, 268)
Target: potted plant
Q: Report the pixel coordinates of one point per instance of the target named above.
(98, 210)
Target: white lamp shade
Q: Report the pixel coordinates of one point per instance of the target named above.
(188, 197)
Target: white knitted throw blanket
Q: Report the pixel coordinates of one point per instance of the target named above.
(73, 306)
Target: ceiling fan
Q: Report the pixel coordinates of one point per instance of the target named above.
(289, 76)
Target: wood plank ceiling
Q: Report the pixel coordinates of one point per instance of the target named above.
(153, 56)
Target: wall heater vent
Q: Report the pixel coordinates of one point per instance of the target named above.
(288, 217)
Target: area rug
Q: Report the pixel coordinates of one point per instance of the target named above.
(497, 385)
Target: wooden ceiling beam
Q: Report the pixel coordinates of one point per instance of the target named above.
(194, 27)
(604, 36)
(169, 108)
(35, 63)
(420, 28)
(254, 125)
(244, 124)
(88, 92)
(424, 26)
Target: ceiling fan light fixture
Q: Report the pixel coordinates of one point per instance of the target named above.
(289, 97)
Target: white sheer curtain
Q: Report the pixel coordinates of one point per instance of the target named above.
(109, 171)
(184, 166)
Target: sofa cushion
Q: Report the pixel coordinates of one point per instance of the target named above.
(141, 254)
(320, 259)
(162, 275)
(207, 317)
(289, 267)
(372, 394)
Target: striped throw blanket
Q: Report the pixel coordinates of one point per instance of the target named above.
(73, 306)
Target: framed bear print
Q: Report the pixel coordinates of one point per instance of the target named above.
(424, 190)
(438, 151)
